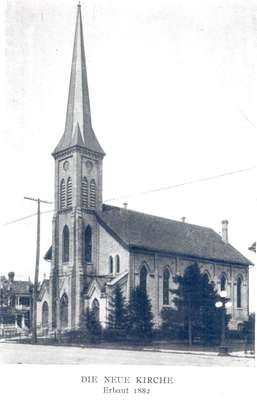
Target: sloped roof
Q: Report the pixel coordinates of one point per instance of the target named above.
(21, 287)
(138, 230)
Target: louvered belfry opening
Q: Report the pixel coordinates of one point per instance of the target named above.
(62, 194)
(92, 193)
(84, 192)
(69, 192)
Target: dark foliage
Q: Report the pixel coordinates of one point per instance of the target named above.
(140, 317)
(118, 312)
(196, 315)
(248, 329)
(91, 326)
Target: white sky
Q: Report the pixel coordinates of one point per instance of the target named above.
(173, 95)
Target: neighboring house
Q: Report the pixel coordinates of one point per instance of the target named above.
(96, 247)
(15, 305)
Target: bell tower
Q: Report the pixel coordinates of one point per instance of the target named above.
(78, 196)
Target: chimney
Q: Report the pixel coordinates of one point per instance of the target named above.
(125, 206)
(183, 219)
(11, 276)
(224, 224)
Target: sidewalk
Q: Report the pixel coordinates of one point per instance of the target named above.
(240, 354)
(157, 348)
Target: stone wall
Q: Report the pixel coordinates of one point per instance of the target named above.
(157, 263)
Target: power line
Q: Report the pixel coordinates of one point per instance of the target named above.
(182, 184)
(148, 191)
(28, 216)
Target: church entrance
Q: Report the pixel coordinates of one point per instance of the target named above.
(64, 311)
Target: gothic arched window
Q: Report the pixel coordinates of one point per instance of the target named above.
(143, 278)
(92, 193)
(110, 265)
(84, 192)
(117, 264)
(96, 308)
(223, 282)
(65, 244)
(88, 244)
(166, 285)
(69, 192)
(62, 194)
(45, 313)
(64, 311)
(238, 292)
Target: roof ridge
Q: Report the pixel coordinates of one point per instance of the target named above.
(158, 217)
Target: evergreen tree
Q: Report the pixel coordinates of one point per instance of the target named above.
(117, 318)
(140, 317)
(91, 326)
(195, 300)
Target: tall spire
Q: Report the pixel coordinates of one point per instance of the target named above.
(78, 127)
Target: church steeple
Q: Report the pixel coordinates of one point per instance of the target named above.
(78, 128)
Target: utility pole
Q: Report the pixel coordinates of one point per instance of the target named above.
(35, 287)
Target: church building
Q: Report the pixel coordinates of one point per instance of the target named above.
(96, 247)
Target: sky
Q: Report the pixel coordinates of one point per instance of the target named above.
(173, 95)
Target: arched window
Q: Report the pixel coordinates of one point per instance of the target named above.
(69, 192)
(166, 285)
(84, 192)
(65, 244)
(110, 265)
(92, 193)
(45, 313)
(62, 194)
(206, 276)
(64, 311)
(88, 244)
(238, 292)
(96, 308)
(223, 282)
(117, 264)
(143, 278)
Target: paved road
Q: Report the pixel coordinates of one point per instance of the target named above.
(11, 353)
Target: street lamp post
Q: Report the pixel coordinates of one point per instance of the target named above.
(223, 303)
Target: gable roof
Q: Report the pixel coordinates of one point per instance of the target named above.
(144, 231)
(21, 287)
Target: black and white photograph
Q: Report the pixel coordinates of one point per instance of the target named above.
(128, 218)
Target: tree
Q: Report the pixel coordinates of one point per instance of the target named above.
(117, 318)
(91, 326)
(140, 317)
(248, 331)
(195, 300)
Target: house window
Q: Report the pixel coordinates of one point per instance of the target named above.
(65, 244)
(92, 193)
(143, 278)
(117, 262)
(84, 192)
(88, 244)
(62, 194)
(166, 285)
(110, 265)
(238, 292)
(223, 283)
(69, 192)
(64, 311)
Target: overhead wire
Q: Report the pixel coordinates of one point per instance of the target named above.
(148, 191)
